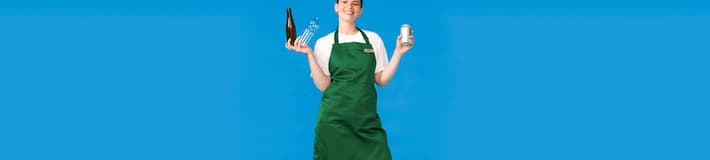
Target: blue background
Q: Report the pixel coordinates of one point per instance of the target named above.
(493, 80)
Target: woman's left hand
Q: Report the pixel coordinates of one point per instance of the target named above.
(402, 49)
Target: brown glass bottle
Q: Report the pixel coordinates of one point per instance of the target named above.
(290, 27)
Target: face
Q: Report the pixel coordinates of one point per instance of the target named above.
(348, 10)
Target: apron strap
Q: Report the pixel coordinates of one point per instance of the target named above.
(367, 40)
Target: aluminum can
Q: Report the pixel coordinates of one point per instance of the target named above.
(405, 31)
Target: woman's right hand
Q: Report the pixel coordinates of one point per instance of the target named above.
(298, 46)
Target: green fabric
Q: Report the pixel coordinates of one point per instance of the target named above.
(348, 127)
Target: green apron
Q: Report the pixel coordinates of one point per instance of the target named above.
(348, 127)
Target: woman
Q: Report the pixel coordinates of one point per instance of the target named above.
(344, 67)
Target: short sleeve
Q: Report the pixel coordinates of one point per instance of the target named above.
(322, 54)
(380, 53)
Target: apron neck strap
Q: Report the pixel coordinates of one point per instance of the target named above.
(367, 40)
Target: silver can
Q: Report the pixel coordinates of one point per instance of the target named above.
(405, 31)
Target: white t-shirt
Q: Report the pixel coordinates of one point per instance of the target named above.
(325, 44)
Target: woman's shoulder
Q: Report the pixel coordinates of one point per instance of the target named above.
(325, 41)
(372, 34)
(327, 38)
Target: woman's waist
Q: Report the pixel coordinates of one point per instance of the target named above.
(353, 82)
(348, 89)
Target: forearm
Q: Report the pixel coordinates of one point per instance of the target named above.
(386, 75)
(321, 80)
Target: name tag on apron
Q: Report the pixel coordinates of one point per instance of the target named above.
(368, 50)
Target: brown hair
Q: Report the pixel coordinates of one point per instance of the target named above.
(336, 2)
